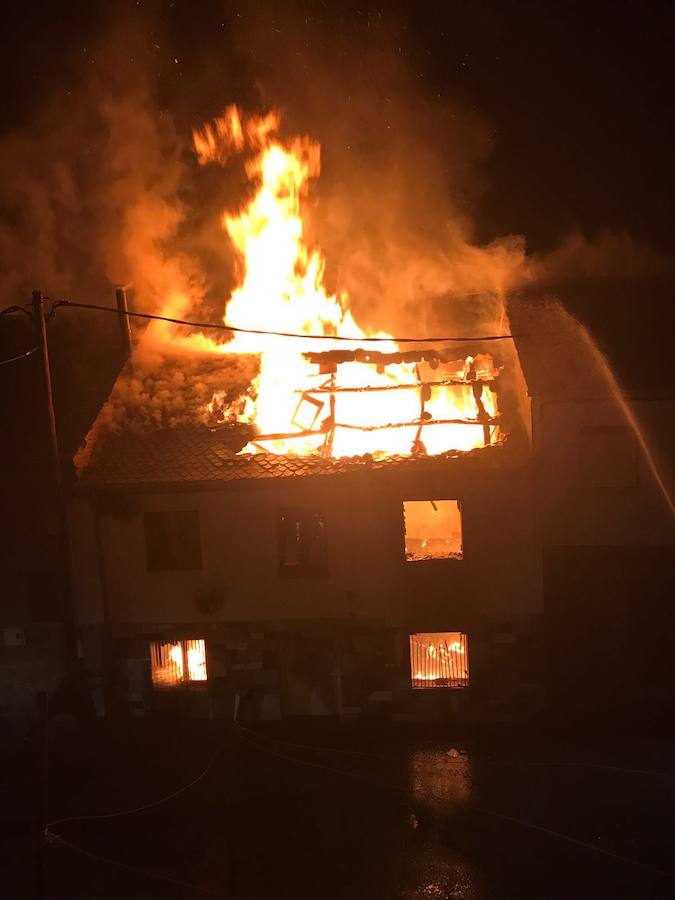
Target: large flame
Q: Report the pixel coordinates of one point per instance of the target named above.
(282, 289)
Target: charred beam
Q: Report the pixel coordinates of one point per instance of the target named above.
(290, 435)
(329, 358)
(447, 382)
(415, 423)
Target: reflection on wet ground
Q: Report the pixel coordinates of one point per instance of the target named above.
(349, 814)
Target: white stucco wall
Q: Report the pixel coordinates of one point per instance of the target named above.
(572, 512)
(499, 575)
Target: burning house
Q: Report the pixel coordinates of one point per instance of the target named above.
(309, 517)
(321, 584)
(322, 518)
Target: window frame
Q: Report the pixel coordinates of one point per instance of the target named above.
(185, 683)
(464, 641)
(155, 560)
(307, 566)
(439, 560)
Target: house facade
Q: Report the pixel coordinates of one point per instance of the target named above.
(532, 575)
(307, 590)
(468, 586)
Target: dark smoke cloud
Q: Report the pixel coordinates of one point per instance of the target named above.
(90, 196)
(401, 172)
(102, 186)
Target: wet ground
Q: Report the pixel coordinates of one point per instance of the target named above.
(344, 813)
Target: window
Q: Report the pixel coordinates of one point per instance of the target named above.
(302, 543)
(608, 457)
(172, 540)
(433, 529)
(177, 662)
(439, 659)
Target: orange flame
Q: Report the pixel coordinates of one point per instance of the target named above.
(282, 289)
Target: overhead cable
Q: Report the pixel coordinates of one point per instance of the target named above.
(285, 334)
(4, 362)
(15, 309)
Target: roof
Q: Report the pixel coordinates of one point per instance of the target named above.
(199, 454)
(151, 431)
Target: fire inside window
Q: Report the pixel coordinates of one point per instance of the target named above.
(433, 529)
(177, 662)
(302, 543)
(439, 659)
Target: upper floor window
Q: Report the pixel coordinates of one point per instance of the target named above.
(433, 529)
(172, 540)
(608, 457)
(302, 543)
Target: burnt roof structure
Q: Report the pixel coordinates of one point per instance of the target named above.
(200, 455)
(172, 447)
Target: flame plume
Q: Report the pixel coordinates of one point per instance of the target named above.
(282, 289)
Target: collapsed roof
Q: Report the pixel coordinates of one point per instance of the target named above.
(149, 433)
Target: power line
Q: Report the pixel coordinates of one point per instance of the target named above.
(7, 311)
(4, 362)
(286, 334)
(15, 309)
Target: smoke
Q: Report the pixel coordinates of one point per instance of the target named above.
(610, 255)
(93, 197)
(402, 172)
(105, 188)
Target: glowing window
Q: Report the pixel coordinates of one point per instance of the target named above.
(177, 662)
(439, 659)
(433, 529)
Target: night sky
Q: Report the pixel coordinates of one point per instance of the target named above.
(576, 100)
(578, 96)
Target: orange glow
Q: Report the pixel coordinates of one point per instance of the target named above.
(433, 529)
(176, 663)
(439, 659)
(282, 289)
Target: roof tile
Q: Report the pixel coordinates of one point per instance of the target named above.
(199, 454)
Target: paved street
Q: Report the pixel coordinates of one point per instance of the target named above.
(374, 813)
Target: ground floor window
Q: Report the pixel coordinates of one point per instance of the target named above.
(177, 662)
(439, 659)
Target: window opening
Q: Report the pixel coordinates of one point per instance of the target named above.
(439, 659)
(433, 529)
(174, 663)
(172, 541)
(302, 543)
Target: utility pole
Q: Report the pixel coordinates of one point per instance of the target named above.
(43, 347)
(123, 310)
(66, 611)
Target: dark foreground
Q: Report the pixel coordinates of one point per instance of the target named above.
(376, 813)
